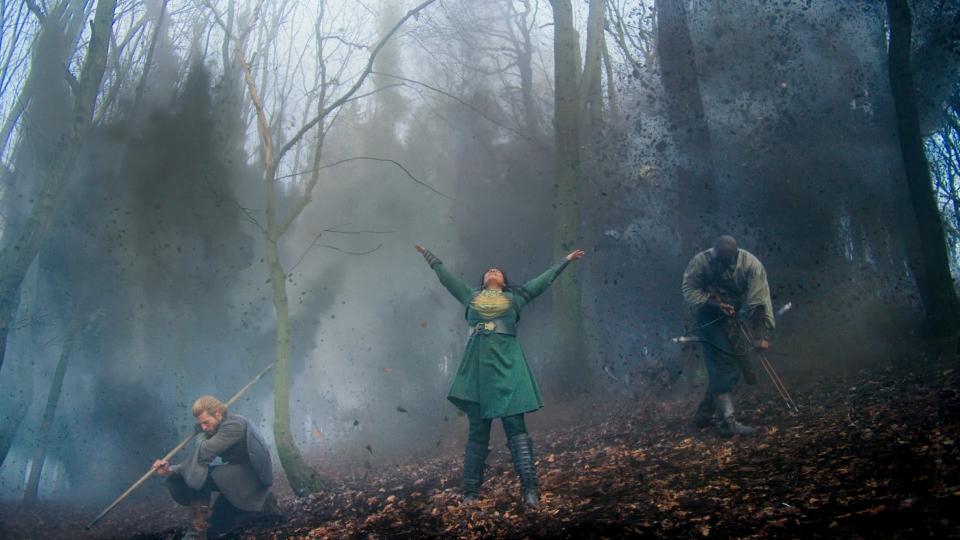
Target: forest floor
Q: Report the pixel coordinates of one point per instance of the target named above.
(872, 455)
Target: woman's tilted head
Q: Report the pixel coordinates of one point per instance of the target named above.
(493, 278)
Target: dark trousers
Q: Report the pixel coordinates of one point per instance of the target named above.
(480, 428)
(184, 494)
(722, 350)
(223, 516)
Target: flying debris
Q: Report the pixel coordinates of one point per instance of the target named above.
(609, 371)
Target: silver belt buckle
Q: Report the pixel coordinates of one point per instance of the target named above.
(482, 327)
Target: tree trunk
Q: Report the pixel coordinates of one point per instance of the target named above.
(933, 279)
(525, 66)
(17, 256)
(21, 395)
(157, 32)
(611, 87)
(688, 126)
(591, 88)
(566, 296)
(30, 494)
(303, 479)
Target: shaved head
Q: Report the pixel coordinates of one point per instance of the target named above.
(725, 248)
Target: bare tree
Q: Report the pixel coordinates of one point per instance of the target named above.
(75, 327)
(943, 148)
(933, 279)
(591, 82)
(687, 122)
(14, 54)
(17, 401)
(302, 478)
(19, 252)
(157, 32)
(492, 41)
(633, 27)
(567, 180)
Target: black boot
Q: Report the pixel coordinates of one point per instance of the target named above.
(474, 462)
(705, 412)
(521, 450)
(199, 511)
(728, 424)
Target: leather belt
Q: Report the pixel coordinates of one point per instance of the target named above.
(495, 326)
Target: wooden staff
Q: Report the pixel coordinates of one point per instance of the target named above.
(173, 452)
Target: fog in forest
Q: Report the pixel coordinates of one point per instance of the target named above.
(152, 282)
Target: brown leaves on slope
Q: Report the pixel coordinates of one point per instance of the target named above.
(873, 458)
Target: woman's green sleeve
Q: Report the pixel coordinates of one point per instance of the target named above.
(460, 290)
(537, 285)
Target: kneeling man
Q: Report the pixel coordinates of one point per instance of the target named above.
(242, 475)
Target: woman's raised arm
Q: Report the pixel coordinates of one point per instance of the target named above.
(537, 285)
(460, 290)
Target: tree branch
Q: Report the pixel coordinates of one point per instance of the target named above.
(219, 19)
(458, 100)
(360, 158)
(262, 123)
(356, 85)
(32, 6)
(334, 230)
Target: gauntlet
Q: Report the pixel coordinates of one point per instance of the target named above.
(759, 324)
(431, 258)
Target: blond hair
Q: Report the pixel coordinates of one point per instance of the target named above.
(208, 404)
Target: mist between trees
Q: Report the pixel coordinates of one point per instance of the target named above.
(193, 189)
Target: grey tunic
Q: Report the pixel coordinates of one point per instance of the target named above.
(246, 474)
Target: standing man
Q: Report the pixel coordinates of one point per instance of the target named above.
(242, 476)
(727, 289)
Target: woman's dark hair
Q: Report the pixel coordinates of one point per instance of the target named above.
(506, 282)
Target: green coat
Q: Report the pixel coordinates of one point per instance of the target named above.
(493, 378)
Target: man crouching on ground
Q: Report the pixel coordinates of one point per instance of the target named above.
(243, 479)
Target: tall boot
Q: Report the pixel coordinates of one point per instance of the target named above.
(728, 424)
(199, 511)
(521, 450)
(474, 462)
(705, 412)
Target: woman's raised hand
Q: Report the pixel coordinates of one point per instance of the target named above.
(576, 254)
(430, 257)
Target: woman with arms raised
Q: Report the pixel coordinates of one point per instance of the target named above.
(493, 380)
